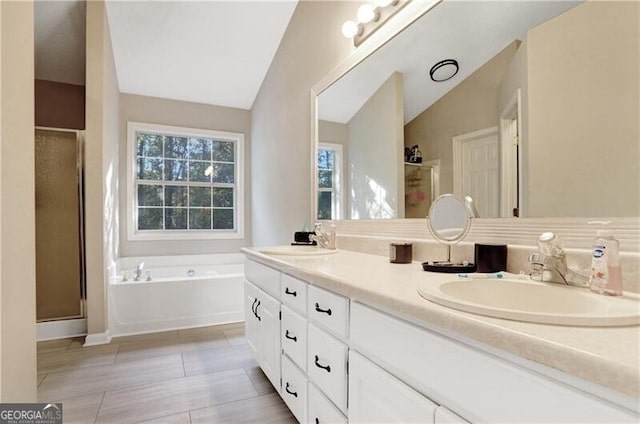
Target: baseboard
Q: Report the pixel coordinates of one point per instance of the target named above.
(53, 330)
(97, 339)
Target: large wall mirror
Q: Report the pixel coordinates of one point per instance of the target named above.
(540, 120)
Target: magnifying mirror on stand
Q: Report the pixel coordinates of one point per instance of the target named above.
(449, 221)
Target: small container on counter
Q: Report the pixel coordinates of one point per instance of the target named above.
(401, 253)
(490, 257)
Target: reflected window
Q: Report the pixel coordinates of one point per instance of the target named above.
(184, 182)
(329, 181)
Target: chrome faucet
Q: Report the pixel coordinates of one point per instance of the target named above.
(137, 273)
(550, 263)
(325, 239)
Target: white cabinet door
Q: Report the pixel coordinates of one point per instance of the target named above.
(444, 416)
(250, 320)
(268, 313)
(377, 397)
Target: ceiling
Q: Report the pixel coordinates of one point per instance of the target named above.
(472, 32)
(213, 52)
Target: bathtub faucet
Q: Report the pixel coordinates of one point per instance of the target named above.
(137, 273)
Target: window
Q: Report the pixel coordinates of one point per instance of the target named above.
(184, 183)
(329, 181)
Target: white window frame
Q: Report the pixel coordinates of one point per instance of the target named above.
(133, 233)
(337, 191)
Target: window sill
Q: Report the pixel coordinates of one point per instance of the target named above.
(183, 236)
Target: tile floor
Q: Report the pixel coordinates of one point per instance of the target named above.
(203, 375)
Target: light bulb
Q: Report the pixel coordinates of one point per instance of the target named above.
(350, 29)
(366, 13)
(383, 3)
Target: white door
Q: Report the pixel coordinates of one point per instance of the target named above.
(377, 397)
(250, 320)
(476, 170)
(269, 347)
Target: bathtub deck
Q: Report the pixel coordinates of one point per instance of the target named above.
(204, 375)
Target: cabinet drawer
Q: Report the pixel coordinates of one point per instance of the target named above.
(321, 410)
(375, 396)
(294, 337)
(294, 293)
(478, 386)
(327, 365)
(294, 389)
(328, 309)
(266, 278)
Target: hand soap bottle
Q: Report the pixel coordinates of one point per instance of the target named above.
(606, 275)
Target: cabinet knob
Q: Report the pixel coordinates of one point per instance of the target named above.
(292, 293)
(294, 394)
(294, 338)
(327, 368)
(256, 311)
(324, 311)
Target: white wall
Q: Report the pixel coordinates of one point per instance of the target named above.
(101, 164)
(375, 170)
(182, 114)
(17, 204)
(281, 123)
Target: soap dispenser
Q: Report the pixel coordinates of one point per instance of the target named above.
(606, 275)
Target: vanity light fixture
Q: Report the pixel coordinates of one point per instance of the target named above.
(370, 17)
(444, 70)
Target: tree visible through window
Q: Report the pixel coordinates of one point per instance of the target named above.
(184, 182)
(329, 164)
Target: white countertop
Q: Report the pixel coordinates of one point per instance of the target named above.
(607, 356)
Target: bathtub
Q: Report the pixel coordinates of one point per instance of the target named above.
(183, 292)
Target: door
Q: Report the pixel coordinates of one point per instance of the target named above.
(269, 347)
(250, 320)
(58, 225)
(375, 396)
(476, 170)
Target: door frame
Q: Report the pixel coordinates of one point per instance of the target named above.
(511, 165)
(458, 142)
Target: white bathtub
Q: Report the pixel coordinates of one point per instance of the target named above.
(184, 292)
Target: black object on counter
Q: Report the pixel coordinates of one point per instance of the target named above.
(400, 253)
(490, 257)
(448, 267)
(301, 238)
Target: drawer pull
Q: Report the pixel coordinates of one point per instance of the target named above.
(324, 311)
(294, 394)
(294, 338)
(253, 306)
(256, 312)
(292, 293)
(327, 368)
(317, 420)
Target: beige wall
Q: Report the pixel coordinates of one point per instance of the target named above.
(17, 208)
(183, 114)
(472, 105)
(101, 165)
(281, 123)
(583, 110)
(332, 132)
(375, 171)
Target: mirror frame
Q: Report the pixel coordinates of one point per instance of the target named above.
(465, 229)
(524, 231)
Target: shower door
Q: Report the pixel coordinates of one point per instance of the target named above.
(59, 253)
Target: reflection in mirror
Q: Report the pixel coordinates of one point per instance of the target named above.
(537, 122)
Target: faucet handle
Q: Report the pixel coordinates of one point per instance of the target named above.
(318, 228)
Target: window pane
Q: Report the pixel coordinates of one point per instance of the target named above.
(324, 205)
(175, 147)
(200, 219)
(149, 195)
(223, 151)
(149, 169)
(175, 219)
(149, 218)
(175, 170)
(175, 196)
(200, 148)
(223, 219)
(149, 144)
(223, 173)
(200, 196)
(223, 197)
(325, 179)
(326, 159)
(200, 171)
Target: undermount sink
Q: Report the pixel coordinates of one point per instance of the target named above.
(531, 301)
(297, 250)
